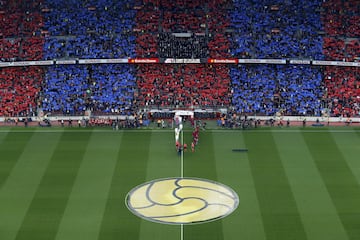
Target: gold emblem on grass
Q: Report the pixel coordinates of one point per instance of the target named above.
(182, 200)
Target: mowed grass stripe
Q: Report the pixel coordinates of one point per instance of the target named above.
(130, 170)
(233, 170)
(10, 150)
(349, 145)
(338, 178)
(22, 183)
(163, 162)
(317, 211)
(48, 205)
(357, 131)
(86, 204)
(202, 164)
(3, 135)
(279, 212)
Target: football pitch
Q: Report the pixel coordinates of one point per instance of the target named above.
(72, 184)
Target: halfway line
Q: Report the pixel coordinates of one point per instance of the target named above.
(182, 175)
(182, 154)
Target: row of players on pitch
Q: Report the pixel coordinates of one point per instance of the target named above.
(195, 141)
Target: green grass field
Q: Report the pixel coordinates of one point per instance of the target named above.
(71, 184)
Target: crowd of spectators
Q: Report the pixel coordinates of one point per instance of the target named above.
(341, 17)
(111, 88)
(183, 85)
(9, 49)
(271, 89)
(146, 29)
(44, 29)
(20, 27)
(82, 29)
(341, 25)
(342, 91)
(253, 89)
(183, 16)
(192, 46)
(20, 18)
(276, 29)
(19, 91)
(182, 29)
(64, 89)
(342, 43)
(205, 22)
(102, 89)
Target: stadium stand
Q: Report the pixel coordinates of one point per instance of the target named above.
(111, 89)
(19, 91)
(9, 49)
(171, 46)
(181, 29)
(177, 29)
(20, 28)
(65, 89)
(342, 30)
(268, 89)
(81, 31)
(276, 29)
(183, 85)
(341, 42)
(146, 29)
(71, 90)
(342, 91)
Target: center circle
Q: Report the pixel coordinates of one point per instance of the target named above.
(182, 200)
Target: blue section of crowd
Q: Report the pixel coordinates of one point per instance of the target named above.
(73, 89)
(276, 29)
(89, 29)
(86, 30)
(268, 89)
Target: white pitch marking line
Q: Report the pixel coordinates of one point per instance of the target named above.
(182, 154)
(182, 231)
(182, 175)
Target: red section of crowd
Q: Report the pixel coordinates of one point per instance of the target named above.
(9, 48)
(20, 30)
(146, 45)
(342, 29)
(219, 46)
(341, 42)
(20, 24)
(147, 28)
(184, 85)
(343, 90)
(19, 89)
